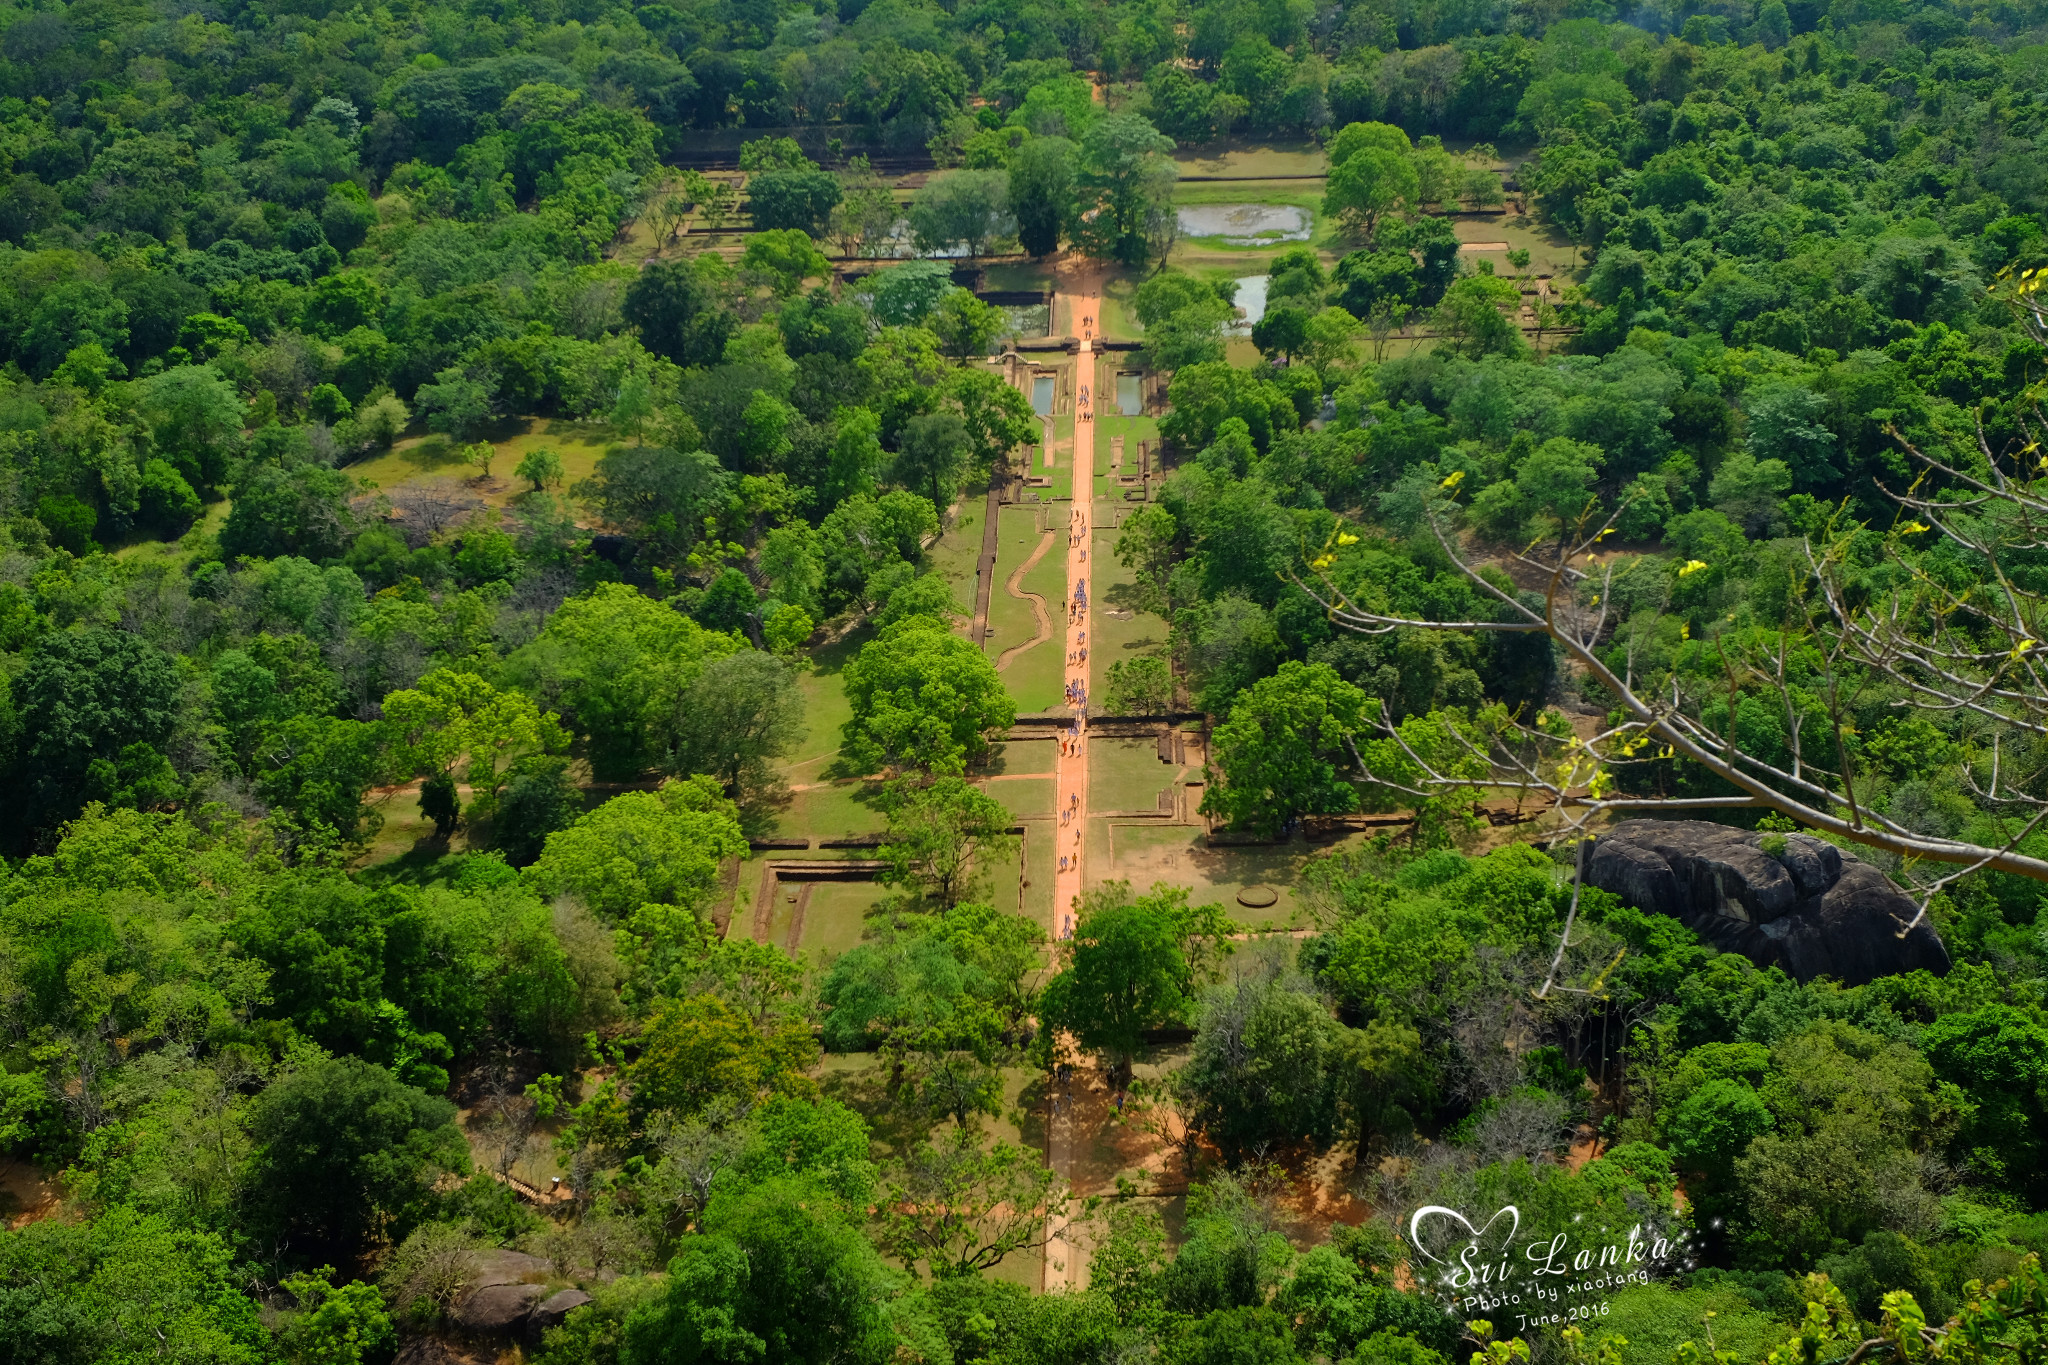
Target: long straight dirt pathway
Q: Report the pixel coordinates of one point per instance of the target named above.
(1065, 1260)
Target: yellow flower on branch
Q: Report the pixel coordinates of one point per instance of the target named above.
(1692, 566)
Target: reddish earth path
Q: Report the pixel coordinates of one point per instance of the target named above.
(1066, 1262)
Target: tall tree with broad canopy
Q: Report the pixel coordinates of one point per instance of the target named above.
(1133, 963)
(924, 699)
(1285, 751)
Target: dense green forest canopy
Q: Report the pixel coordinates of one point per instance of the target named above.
(274, 1081)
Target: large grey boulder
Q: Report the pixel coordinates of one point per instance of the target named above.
(1806, 907)
(550, 1311)
(498, 1309)
(497, 1265)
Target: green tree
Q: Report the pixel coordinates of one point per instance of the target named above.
(1265, 1068)
(1041, 193)
(1281, 331)
(1284, 752)
(1475, 316)
(69, 521)
(779, 1273)
(462, 402)
(1183, 319)
(616, 663)
(451, 715)
(441, 802)
(300, 510)
(1751, 492)
(1140, 687)
(997, 415)
(921, 698)
(658, 494)
(681, 309)
(784, 258)
(633, 406)
(661, 847)
(961, 1207)
(700, 1050)
(539, 798)
(907, 294)
(318, 770)
(1127, 180)
(336, 1326)
(83, 699)
(1715, 1124)
(938, 831)
(965, 326)
(1371, 183)
(346, 1152)
(802, 200)
(967, 209)
(124, 1284)
(1386, 1076)
(1556, 480)
(540, 467)
(740, 714)
(932, 456)
(1147, 544)
(867, 211)
(1131, 965)
(1999, 1056)
(1239, 1336)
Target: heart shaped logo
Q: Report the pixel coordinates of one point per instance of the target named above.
(1473, 1235)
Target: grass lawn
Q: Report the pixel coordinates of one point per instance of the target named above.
(1550, 252)
(959, 550)
(1251, 157)
(1107, 429)
(1010, 619)
(1039, 855)
(825, 708)
(1020, 276)
(1116, 319)
(830, 811)
(1027, 798)
(834, 917)
(751, 871)
(1021, 758)
(436, 457)
(1125, 775)
(1114, 636)
(1306, 194)
(1037, 677)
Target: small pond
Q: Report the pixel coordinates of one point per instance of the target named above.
(1247, 224)
(1027, 319)
(1041, 395)
(1251, 300)
(1130, 401)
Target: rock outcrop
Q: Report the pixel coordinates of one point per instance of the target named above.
(550, 1311)
(1804, 905)
(497, 1309)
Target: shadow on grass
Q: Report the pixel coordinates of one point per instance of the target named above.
(895, 1124)
(429, 862)
(763, 804)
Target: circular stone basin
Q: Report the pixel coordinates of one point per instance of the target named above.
(1257, 897)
